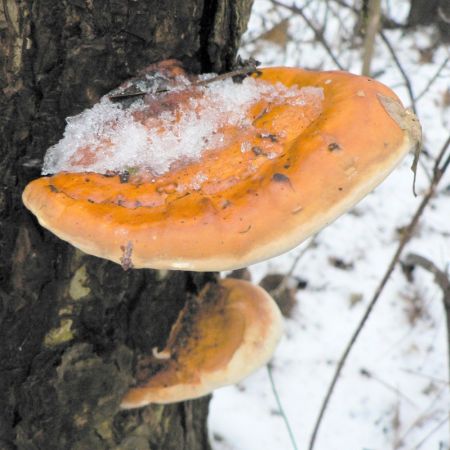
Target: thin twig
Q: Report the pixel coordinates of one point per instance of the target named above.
(442, 280)
(284, 283)
(386, 22)
(401, 69)
(234, 73)
(433, 79)
(425, 170)
(343, 22)
(264, 35)
(370, 375)
(428, 413)
(317, 33)
(280, 407)
(424, 375)
(260, 36)
(437, 176)
(437, 169)
(446, 164)
(300, 255)
(436, 428)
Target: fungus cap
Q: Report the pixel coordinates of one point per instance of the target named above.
(293, 171)
(232, 331)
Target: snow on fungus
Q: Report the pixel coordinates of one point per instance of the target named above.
(109, 138)
(220, 176)
(228, 332)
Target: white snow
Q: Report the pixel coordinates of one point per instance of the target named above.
(108, 137)
(394, 390)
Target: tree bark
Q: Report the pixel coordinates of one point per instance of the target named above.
(427, 12)
(72, 326)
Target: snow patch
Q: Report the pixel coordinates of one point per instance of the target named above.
(164, 128)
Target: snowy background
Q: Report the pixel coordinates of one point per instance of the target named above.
(394, 389)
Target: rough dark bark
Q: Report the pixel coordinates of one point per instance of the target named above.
(72, 326)
(428, 12)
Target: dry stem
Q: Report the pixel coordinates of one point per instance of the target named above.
(438, 172)
(373, 24)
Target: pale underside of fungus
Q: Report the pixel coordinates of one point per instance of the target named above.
(227, 333)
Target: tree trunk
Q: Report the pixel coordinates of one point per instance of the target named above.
(73, 326)
(428, 12)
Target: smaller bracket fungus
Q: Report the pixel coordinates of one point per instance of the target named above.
(217, 176)
(228, 332)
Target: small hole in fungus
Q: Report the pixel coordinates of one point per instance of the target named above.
(333, 147)
(124, 177)
(280, 178)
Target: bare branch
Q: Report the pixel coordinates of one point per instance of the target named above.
(366, 373)
(440, 276)
(280, 407)
(373, 24)
(437, 176)
(433, 78)
(244, 71)
(445, 165)
(401, 69)
(284, 284)
(317, 33)
(428, 412)
(386, 22)
(442, 280)
(312, 243)
(436, 428)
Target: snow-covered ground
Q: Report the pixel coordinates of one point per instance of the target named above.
(394, 390)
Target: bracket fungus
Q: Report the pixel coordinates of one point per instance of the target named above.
(222, 175)
(226, 334)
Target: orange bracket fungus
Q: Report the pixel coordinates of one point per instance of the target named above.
(227, 333)
(207, 175)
